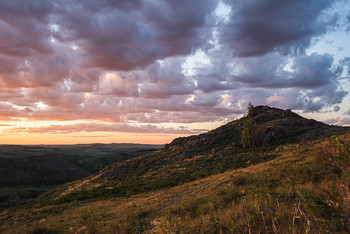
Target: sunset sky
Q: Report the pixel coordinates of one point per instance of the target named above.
(147, 71)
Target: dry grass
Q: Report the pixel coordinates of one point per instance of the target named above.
(297, 192)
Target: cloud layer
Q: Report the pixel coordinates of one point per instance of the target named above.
(122, 62)
(259, 27)
(101, 127)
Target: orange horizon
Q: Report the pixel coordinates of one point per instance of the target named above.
(86, 138)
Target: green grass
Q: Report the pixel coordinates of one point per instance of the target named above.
(161, 170)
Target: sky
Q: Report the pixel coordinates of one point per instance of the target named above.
(148, 71)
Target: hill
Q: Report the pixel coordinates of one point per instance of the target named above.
(27, 171)
(294, 179)
(190, 158)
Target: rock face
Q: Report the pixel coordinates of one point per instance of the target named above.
(276, 125)
(266, 113)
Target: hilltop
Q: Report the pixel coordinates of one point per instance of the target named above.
(194, 157)
(295, 177)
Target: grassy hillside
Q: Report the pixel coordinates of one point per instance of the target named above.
(304, 188)
(293, 178)
(191, 158)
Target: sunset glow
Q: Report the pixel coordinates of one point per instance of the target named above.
(150, 71)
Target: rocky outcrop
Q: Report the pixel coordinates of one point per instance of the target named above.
(273, 125)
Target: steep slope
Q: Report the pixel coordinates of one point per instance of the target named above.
(190, 158)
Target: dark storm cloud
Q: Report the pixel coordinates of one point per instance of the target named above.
(165, 79)
(313, 71)
(276, 71)
(180, 26)
(39, 70)
(307, 100)
(127, 36)
(38, 36)
(23, 27)
(121, 61)
(304, 82)
(258, 27)
(210, 84)
(207, 100)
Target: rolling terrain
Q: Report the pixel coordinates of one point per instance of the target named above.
(27, 171)
(293, 176)
(190, 158)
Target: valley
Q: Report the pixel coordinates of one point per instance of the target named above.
(28, 171)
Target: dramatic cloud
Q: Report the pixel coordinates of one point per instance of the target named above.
(23, 27)
(258, 27)
(128, 36)
(117, 63)
(276, 71)
(165, 80)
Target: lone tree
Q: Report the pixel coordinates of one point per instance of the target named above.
(249, 129)
(251, 111)
(248, 134)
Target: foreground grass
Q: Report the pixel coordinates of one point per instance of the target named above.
(305, 189)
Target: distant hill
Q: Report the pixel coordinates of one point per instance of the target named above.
(292, 177)
(28, 170)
